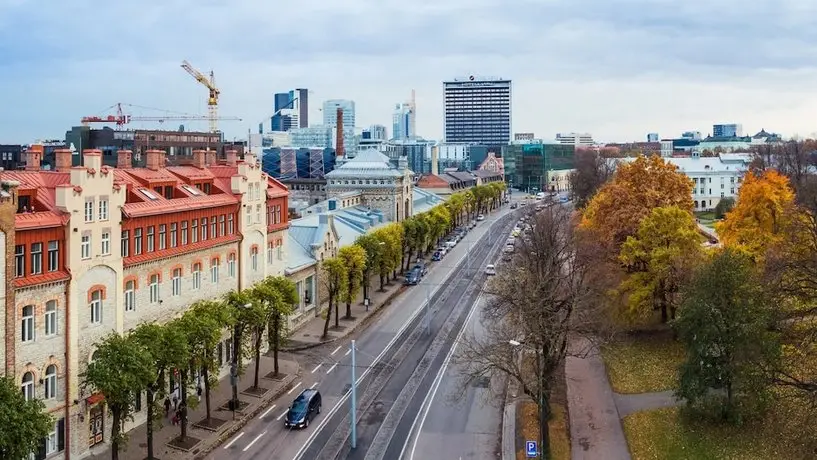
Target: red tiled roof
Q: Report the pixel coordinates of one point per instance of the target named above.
(44, 278)
(275, 188)
(151, 177)
(432, 181)
(161, 206)
(191, 173)
(42, 182)
(179, 250)
(43, 219)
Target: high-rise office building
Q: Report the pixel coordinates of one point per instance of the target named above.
(477, 110)
(727, 130)
(330, 112)
(403, 121)
(291, 110)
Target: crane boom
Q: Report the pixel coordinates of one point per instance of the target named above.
(121, 118)
(210, 84)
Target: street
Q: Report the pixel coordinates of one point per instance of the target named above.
(397, 361)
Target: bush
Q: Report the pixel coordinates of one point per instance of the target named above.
(724, 206)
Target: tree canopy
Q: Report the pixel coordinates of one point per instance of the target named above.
(24, 423)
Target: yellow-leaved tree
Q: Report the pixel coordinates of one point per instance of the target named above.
(762, 215)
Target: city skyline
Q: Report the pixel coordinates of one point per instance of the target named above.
(573, 56)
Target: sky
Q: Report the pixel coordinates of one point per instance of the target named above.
(615, 68)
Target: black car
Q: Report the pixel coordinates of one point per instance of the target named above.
(421, 267)
(413, 277)
(305, 407)
(437, 256)
(513, 205)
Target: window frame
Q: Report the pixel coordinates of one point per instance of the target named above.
(153, 285)
(89, 210)
(231, 265)
(130, 295)
(27, 386)
(36, 258)
(19, 260)
(95, 305)
(50, 383)
(214, 270)
(105, 245)
(176, 282)
(173, 234)
(184, 233)
(103, 209)
(28, 324)
(53, 256)
(85, 246)
(50, 318)
(162, 236)
(196, 272)
(151, 238)
(137, 241)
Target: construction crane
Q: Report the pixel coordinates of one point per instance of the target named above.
(212, 101)
(121, 119)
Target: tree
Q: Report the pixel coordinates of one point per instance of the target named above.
(412, 232)
(657, 259)
(25, 423)
(335, 278)
(728, 330)
(354, 259)
(762, 215)
(456, 205)
(637, 187)
(725, 205)
(238, 303)
(371, 244)
(281, 306)
(591, 172)
(122, 367)
(167, 345)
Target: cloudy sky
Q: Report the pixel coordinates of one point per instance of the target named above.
(615, 68)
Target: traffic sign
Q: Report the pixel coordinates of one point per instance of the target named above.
(530, 449)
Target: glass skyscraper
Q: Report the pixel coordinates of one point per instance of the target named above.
(330, 112)
(477, 110)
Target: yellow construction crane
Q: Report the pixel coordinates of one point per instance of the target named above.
(212, 102)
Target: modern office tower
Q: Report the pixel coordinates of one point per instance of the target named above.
(576, 139)
(653, 137)
(291, 110)
(727, 130)
(404, 119)
(477, 110)
(330, 112)
(375, 133)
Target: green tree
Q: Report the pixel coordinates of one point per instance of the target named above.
(456, 205)
(203, 324)
(281, 307)
(24, 423)
(410, 235)
(354, 259)
(238, 303)
(371, 244)
(335, 278)
(122, 367)
(727, 326)
(167, 345)
(724, 206)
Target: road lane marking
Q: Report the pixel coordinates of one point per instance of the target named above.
(332, 368)
(347, 352)
(336, 350)
(317, 367)
(314, 385)
(294, 388)
(282, 415)
(267, 411)
(234, 440)
(253, 442)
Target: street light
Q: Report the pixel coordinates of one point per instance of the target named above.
(234, 403)
(542, 422)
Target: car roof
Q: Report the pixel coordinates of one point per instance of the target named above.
(307, 394)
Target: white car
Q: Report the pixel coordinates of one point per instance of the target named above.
(490, 270)
(480, 217)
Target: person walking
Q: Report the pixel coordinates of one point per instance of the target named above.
(167, 406)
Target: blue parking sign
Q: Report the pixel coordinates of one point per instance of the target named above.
(530, 449)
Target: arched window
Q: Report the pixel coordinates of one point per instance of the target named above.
(27, 326)
(214, 264)
(231, 264)
(51, 382)
(28, 386)
(51, 318)
(130, 295)
(196, 276)
(96, 307)
(254, 257)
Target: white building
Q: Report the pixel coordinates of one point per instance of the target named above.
(576, 139)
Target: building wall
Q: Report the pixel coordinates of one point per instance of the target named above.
(559, 180)
(490, 122)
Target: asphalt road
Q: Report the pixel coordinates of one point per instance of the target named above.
(388, 353)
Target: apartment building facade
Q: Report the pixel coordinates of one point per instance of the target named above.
(95, 249)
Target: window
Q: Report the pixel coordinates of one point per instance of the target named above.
(27, 326)
(231, 265)
(280, 250)
(151, 238)
(173, 235)
(28, 386)
(89, 211)
(106, 243)
(53, 255)
(103, 209)
(254, 257)
(50, 382)
(194, 230)
(130, 295)
(55, 441)
(258, 214)
(51, 318)
(249, 215)
(184, 232)
(203, 228)
(154, 288)
(214, 270)
(270, 249)
(176, 283)
(222, 228)
(85, 247)
(125, 243)
(137, 241)
(96, 307)
(19, 260)
(196, 276)
(213, 231)
(36, 258)
(230, 227)
(162, 236)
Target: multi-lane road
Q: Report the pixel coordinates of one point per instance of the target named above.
(402, 372)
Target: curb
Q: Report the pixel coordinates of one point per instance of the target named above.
(240, 423)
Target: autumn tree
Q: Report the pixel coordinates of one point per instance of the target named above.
(727, 327)
(657, 259)
(280, 307)
(334, 278)
(354, 259)
(122, 367)
(371, 245)
(637, 187)
(24, 422)
(762, 215)
(591, 172)
(241, 317)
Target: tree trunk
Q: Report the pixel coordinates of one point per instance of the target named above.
(382, 282)
(276, 338)
(205, 373)
(183, 404)
(337, 314)
(348, 310)
(116, 414)
(151, 395)
(328, 316)
(544, 415)
(366, 275)
(236, 361)
(259, 336)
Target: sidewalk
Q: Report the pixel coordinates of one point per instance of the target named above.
(210, 438)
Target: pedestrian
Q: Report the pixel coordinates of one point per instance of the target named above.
(167, 406)
(176, 417)
(175, 402)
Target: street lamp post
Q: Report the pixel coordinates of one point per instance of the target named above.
(353, 407)
(542, 422)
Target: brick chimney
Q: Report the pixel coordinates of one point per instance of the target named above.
(199, 159)
(124, 159)
(155, 159)
(33, 158)
(340, 150)
(232, 157)
(63, 159)
(210, 157)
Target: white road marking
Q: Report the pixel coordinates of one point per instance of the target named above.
(293, 388)
(314, 385)
(347, 352)
(253, 442)
(267, 411)
(282, 415)
(332, 368)
(234, 440)
(336, 350)
(317, 367)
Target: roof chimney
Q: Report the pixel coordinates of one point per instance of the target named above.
(62, 159)
(33, 158)
(199, 159)
(340, 151)
(210, 157)
(155, 159)
(232, 157)
(124, 159)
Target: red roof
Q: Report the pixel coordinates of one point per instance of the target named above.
(161, 205)
(191, 173)
(43, 278)
(42, 182)
(151, 177)
(44, 219)
(432, 181)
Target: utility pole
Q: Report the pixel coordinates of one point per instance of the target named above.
(354, 400)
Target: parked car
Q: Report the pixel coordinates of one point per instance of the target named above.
(437, 256)
(413, 277)
(480, 218)
(509, 249)
(490, 270)
(421, 267)
(442, 250)
(513, 205)
(305, 407)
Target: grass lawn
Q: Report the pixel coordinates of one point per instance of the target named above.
(528, 419)
(643, 363)
(705, 215)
